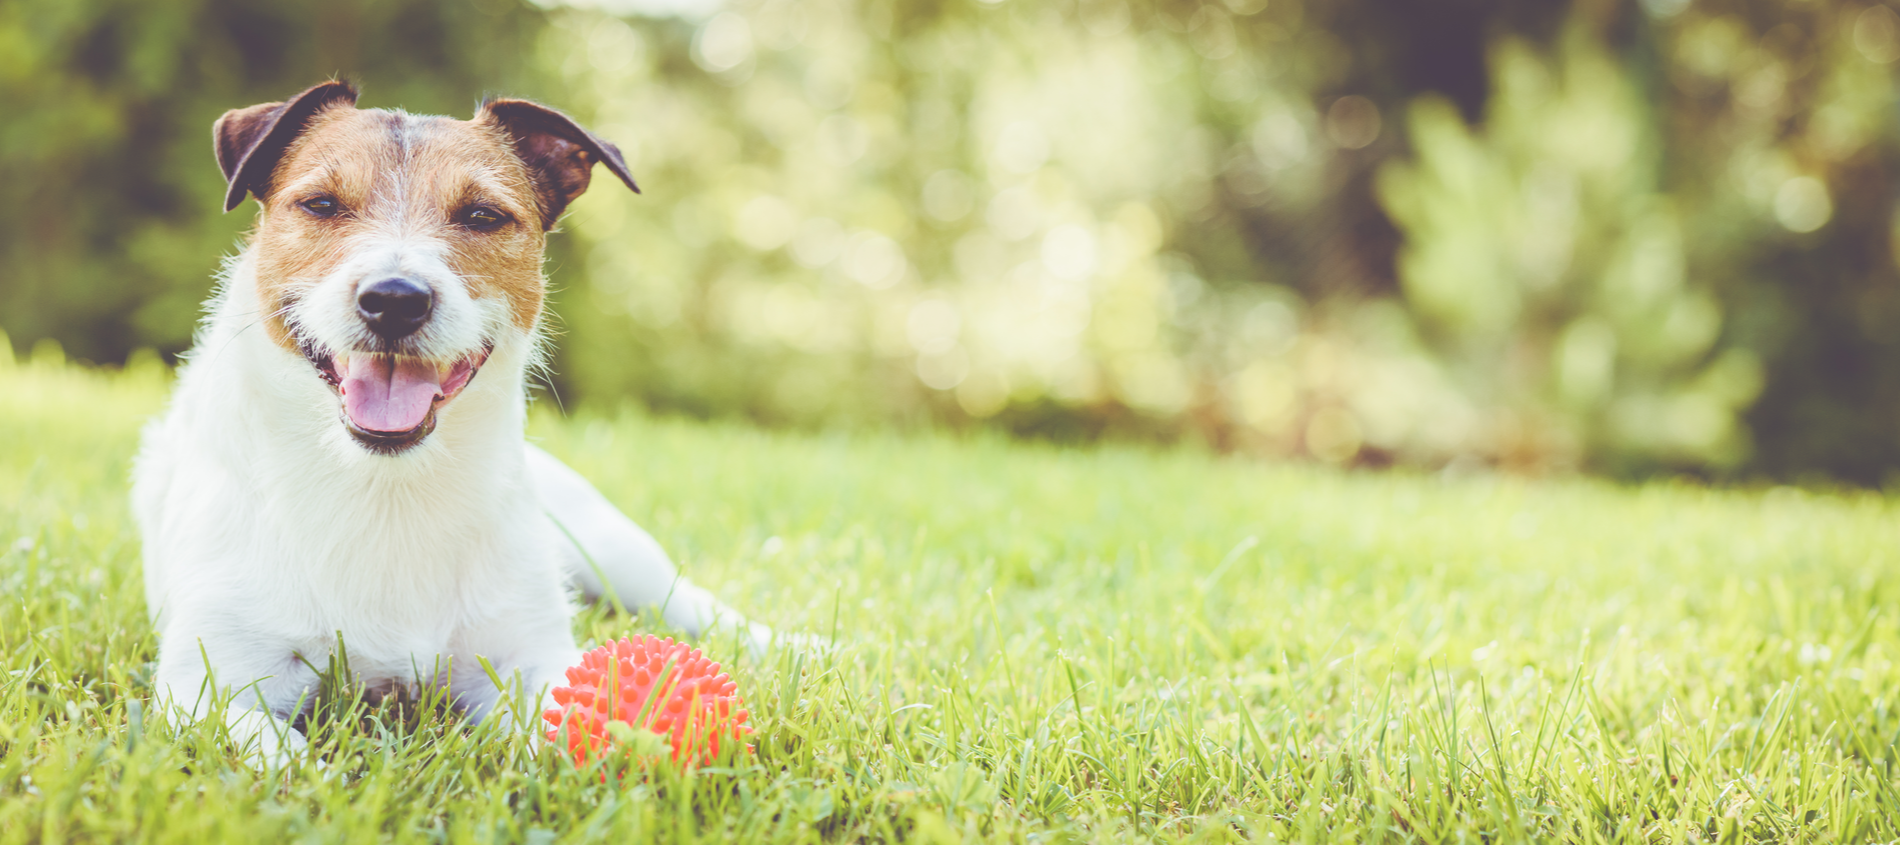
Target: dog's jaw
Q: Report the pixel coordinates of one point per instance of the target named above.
(257, 398)
(448, 381)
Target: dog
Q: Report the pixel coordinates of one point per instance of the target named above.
(343, 458)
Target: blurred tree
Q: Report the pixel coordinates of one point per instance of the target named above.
(109, 194)
(1780, 121)
(1545, 235)
(1549, 268)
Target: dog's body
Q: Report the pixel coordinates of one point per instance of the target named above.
(343, 456)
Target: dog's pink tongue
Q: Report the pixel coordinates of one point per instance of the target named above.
(384, 395)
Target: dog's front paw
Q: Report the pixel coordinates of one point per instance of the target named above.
(762, 641)
(266, 742)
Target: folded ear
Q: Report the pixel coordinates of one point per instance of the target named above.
(560, 155)
(251, 140)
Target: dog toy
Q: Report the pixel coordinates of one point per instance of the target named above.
(644, 694)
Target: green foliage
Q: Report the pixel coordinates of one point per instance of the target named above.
(1551, 269)
(1629, 237)
(110, 196)
(1031, 643)
(893, 229)
(1060, 237)
(1794, 214)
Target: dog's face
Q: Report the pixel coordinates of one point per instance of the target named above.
(395, 251)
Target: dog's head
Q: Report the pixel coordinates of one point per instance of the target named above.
(395, 251)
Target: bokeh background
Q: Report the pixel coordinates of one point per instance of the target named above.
(1619, 237)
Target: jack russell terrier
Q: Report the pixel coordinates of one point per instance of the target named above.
(343, 457)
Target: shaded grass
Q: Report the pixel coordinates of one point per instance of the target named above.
(1044, 644)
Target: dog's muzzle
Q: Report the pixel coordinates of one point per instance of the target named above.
(387, 401)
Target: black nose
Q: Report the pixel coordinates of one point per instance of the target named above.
(394, 308)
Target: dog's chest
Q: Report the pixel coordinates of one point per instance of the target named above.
(402, 639)
(402, 580)
(424, 593)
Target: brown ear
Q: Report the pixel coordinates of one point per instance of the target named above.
(560, 155)
(251, 140)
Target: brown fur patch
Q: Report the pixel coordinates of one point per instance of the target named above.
(396, 174)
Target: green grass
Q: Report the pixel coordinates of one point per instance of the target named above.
(1037, 644)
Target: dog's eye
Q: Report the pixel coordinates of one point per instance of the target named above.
(322, 206)
(481, 217)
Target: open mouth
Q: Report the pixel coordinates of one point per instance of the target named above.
(388, 400)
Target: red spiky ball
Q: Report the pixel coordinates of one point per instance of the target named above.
(651, 683)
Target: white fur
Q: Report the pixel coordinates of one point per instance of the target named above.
(325, 312)
(268, 530)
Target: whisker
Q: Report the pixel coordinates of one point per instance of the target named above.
(290, 302)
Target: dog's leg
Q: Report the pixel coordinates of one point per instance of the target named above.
(258, 692)
(520, 688)
(608, 556)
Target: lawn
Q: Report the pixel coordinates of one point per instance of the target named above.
(1042, 644)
